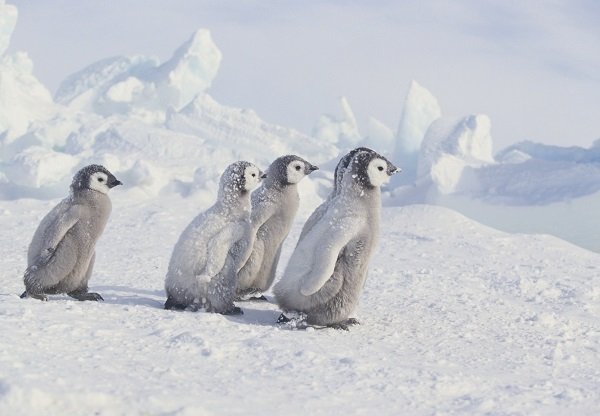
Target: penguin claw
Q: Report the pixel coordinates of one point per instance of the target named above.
(340, 326)
(86, 296)
(282, 319)
(41, 297)
(95, 296)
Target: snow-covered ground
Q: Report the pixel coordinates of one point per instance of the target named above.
(455, 318)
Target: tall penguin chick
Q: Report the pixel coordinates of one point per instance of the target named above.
(274, 206)
(328, 268)
(214, 246)
(61, 255)
(337, 181)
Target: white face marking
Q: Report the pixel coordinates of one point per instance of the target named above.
(251, 177)
(295, 171)
(99, 182)
(377, 172)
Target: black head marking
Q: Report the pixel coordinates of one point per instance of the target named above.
(359, 167)
(234, 179)
(278, 171)
(234, 175)
(343, 165)
(82, 178)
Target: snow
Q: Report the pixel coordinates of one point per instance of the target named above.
(457, 317)
(341, 130)
(8, 20)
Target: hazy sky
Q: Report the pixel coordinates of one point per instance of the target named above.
(532, 66)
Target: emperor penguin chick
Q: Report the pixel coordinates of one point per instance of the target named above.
(328, 268)
(337, 181)
(274, 206)
(214, 246)
(61, 255)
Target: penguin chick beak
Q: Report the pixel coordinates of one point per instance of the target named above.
(393, 169)
(312, 168)
(263, 176)
(115, 183)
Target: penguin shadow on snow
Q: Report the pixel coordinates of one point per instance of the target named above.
(123, 295)
(263, 313)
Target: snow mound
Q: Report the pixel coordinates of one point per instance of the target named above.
(142, 87)
(8, 21)
(452, 145)
(551, 153)
(381, 138)
(244, 134)
(342, 131)
(23, 99)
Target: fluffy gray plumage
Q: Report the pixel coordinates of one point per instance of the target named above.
(328, 268)
(274, 206)
(337, 181)
(214, 246)
(61, 255)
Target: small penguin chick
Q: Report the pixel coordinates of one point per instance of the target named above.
(61, 255)
(203, 268)
(274, 206)
(328, 268)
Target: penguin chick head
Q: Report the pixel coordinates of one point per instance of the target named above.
(342, 165)
(289, 170)
(241, 177)
(96, 178)
(371, 170)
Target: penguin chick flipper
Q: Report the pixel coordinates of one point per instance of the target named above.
(81, 296)
(218, 248)
(325, 257)
(58, 228)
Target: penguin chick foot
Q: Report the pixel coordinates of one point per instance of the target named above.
(171, 304)
(234, 311)
(82, 296)
(40, 296)
(344, 325)
(252, 295)
(339, 326)
(282, 319)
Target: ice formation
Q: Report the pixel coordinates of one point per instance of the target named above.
(140, 86)
(23, 99)
(342, 131)
(450, 146)
(421, 108)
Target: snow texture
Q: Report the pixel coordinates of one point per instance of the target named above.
(456, 318)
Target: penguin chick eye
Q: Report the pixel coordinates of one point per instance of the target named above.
(298, 167)
(100, 179)
(380, 168)
(254, 175)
